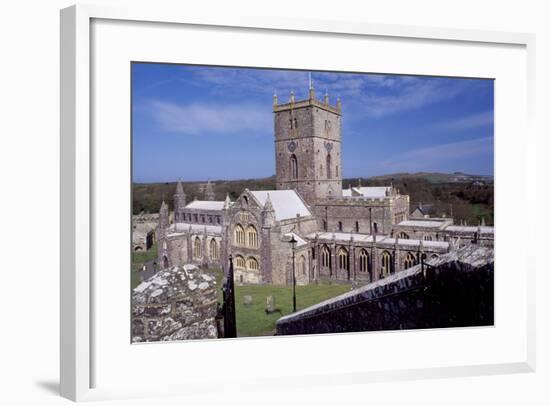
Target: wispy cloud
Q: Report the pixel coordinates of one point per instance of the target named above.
(468, 122)
(440, 156)
(200, 119)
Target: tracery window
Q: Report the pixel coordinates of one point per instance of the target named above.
(410, 260)
(252, 236)
(239, 235)
(364, 261)
(343, 259)
(325, 257)
(386, 263)
(197, 248)
(239, 262)
(252, 264)
(214, 249)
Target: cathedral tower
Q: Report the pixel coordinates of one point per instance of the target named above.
(308, 147)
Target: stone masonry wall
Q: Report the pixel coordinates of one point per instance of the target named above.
(175, 304)
(457, 291)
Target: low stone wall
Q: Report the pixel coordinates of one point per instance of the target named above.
(457, 290)
(175, 304)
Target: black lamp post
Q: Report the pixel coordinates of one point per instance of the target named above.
(293, 242)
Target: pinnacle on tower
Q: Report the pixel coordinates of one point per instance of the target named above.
(339, 104)
(326, 97)
(311, 89)
(292, 96)
(179, 188)
(275, 99)
(268, 206)
(227, 202)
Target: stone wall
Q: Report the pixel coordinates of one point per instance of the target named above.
(457, 290)
(175, 304)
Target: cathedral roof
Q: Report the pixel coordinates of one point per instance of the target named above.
(286, 203)
(206, 205)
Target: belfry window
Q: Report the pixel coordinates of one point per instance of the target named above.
(328, 167)
(293, 167)
(295, 123)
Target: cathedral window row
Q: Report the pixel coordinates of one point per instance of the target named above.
(248, 238)
(250, 263)
(195, 218)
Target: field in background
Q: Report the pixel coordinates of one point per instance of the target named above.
(468, 198)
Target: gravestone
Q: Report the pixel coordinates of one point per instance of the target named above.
(247, 300)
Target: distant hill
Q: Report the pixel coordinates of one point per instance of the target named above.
(435, 177)
(468, 197)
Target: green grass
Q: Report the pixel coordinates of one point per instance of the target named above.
(138, 259)
(253, 321)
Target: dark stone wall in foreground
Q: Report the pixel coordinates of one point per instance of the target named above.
(457, 291)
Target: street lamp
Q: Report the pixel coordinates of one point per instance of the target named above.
(293, 242)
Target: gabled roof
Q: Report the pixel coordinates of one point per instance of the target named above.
(286, 203)
(205, 205)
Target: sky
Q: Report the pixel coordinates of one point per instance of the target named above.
(213, 123)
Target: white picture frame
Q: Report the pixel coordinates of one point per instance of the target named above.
(77, 281)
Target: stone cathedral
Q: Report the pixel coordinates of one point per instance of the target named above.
(358, 234)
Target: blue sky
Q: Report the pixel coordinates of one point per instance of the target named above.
(199, 123)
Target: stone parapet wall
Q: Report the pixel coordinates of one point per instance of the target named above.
(456, 291)
(175, 304)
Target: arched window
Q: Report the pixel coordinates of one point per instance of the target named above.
(252, 264)
(325, 257)
(386, 263)
(403, 236)
(197, 248)
(214, 250)
(410, 260)
(343, 259)
(328, 167)
(356, 226)
(428, 238)
(239, 235)
(340, 227)
(302, 265)
(293, 167)
(252, 236)
(363, 261)
(239, 262)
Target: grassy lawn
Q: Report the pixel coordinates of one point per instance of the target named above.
(253, 321)
(138, 259)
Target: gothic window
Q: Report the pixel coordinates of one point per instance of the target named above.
(252, 236)
(356, 226)
(196, 216)
(218, 219)
(290, 123)
(210, 219)
(239, 262)
(239, 235)
(202, 218)
(343, 259)
(410, 260)
(324, 225)
(295, 123)
(197, 248)
(386, 263)
(293, 167)
(403, 236)
(252, 264)
(340, 226)
(427, 238)
(328, 167)
(375, 228)
(363, 261)
(214, 251)
(325, 257)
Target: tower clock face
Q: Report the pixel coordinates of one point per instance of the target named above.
(292, 146)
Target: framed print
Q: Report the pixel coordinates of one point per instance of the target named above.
(241, 200)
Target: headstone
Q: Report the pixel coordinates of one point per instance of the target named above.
(270, 304)
(247, 300)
